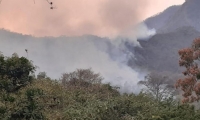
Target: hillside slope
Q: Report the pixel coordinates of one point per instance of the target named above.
(160, 52)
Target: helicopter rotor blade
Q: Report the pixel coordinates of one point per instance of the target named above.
(48, 1)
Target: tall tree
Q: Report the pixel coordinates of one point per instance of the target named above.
(15, 72)
(190, 85)
(82, 77)
(158, 85)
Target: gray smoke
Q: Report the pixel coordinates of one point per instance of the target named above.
(57, 55)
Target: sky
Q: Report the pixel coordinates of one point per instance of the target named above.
(103, 18)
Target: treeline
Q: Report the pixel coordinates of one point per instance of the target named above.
(80, 95)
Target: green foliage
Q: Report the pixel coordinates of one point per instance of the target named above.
(79, 95)
(28, 108)
(14, 72)
(41, 75)
(81, 76)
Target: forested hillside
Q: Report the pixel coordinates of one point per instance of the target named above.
(80, 95)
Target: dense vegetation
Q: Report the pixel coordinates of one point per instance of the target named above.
(80, 95)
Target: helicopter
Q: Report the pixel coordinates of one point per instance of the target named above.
(50, 3)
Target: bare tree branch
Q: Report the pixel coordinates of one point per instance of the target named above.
(157, 85)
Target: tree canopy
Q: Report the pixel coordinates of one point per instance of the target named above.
(80, 95)
(15, 72)
(158, 85)
(190, 85)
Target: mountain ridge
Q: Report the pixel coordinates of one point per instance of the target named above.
(174, 17)
(177, 27)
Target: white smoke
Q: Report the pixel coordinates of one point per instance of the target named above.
(139, 31)
(66, 54)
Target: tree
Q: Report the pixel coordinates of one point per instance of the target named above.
(41, 75)
(15, 72)
(190, 85)
(158, 85)
(29, 107)
(81, 77)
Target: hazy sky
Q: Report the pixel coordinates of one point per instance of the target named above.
(77, 17)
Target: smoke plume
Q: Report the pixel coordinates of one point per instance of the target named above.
(57, 55)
